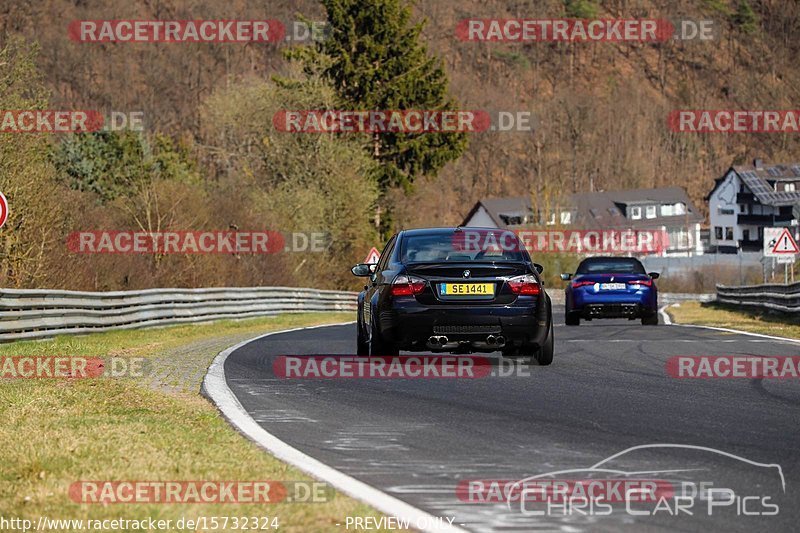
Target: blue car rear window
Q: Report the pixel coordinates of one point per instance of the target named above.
(614, 266)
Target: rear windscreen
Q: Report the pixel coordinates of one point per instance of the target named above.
(461, 247)
(615, 266)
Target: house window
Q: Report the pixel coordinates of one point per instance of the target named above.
(680, 208)
(667, 210)
(789, 187)
(566, 217)
(636, 213)
(746, 235)
(678, 238)
(728, 233)
(718, 232)
(650, 211)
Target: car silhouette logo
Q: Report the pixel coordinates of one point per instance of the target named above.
(466, 273)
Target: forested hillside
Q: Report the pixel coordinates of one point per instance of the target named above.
(209, 157)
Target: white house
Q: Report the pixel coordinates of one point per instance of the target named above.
(746, 199)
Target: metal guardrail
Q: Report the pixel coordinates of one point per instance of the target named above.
(785, 298)
(35, 313)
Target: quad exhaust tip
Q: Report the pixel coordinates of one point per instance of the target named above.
(499, 340)
(491, 340)
(437, 340)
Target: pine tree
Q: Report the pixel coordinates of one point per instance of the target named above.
(374, 59)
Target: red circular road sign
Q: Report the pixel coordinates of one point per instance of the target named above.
(3, 210)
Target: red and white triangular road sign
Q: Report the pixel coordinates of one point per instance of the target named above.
(3, 209)
(374, 256)
(785, 244)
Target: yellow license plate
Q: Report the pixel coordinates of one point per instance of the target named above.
(467, 289)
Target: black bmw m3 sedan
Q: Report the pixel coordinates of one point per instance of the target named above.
(456, 290)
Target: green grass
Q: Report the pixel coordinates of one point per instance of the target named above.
(712, 314)
(59, 431)
(149, 341)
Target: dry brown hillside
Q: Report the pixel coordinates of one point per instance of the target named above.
(601, 108)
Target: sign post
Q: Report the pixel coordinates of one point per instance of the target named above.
(780, 244)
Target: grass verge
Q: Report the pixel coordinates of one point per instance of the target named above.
(59, 431)
(744, 319)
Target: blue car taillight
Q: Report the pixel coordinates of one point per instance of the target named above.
(576, 284)
(641, 282)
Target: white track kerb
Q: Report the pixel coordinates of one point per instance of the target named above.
(216, 389)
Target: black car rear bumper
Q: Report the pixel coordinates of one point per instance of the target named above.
(410, 324)
(615, 310)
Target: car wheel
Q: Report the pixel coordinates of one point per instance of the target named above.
(650, 320)
(572, 319)
(378, 347)
(545, 355)
(362, 346)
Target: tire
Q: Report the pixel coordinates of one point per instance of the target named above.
(362, 346)
(650, 320)
(572, 319)
(378, 347)
(545, 354)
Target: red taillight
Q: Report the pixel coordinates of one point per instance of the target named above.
(576, 284)
(526, 285)
(645, 282)
(407, 286)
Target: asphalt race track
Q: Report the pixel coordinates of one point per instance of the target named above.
(606, 391)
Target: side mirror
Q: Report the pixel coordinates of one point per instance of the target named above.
(362, 270)
(566, 276)
(539, 268)
(654, 275)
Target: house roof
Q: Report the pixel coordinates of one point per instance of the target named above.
(598, 209)
(609, 209)
(757, 180)
(496, 206)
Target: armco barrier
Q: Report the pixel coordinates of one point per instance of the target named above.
(32, 314)
(785, 298)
